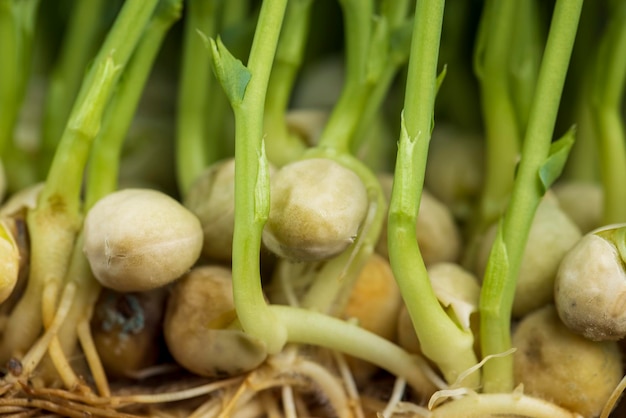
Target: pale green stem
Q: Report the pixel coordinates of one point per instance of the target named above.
(526, 48)
(282, 147)
(346, 115)
(104, 162)
(442, 340)
(17, 23)
(357, 18)
(499, 289)
(9, 73)
(252, 184)
(309, 327)
(492, 63)
(78, 47)
(196, 88)
(608, 91)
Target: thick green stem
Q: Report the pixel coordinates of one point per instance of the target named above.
(499, 282)
(492, 62)
(252, 184)
(442, 340)
(79, 46)
(104, 163)
(346, 115)
(608, 91)
(309, 327)
(196, 87)
(16, 35)
(282, 147)
(357, 18)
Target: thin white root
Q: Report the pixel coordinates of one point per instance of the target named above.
(350, 384)
(270, 405)
(327, 382)
(39, 349)
(175, 396)
(614, 398)
(289, 405)
(456, 389)
(399, 387)
(93, 359)
(62, 365)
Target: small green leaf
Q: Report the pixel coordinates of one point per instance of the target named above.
(552, 167)
(441, 77)
(438, 83)
(231, 73)
(496, 272)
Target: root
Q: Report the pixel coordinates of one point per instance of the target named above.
(39, 349)
(614, 398)
(93, 359)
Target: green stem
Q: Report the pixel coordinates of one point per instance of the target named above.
(442, 340)
(79, 46)
(499, 282)
(196, 89)
(282, 147)
(357, 18)
(17, 22)
(608, 92)
(252, 184)
(104, 163)
(525, 58)
(346, 115)
(502, 133)
(9, 73)
(309, 327)
(583, 163)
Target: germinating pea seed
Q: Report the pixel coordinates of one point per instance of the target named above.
(212, 198)
(140, 239)
(199, 326)
(551, 235)
(317, 207)
(555, 364)
(590, 288)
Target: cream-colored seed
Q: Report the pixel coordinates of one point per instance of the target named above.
(555, 364)
(140, 239)
(590, 290)
(454, 173)
(583, 202)
(374, 304)
(551, 235)
(201, 329)
(317, 208)
(212, 199)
